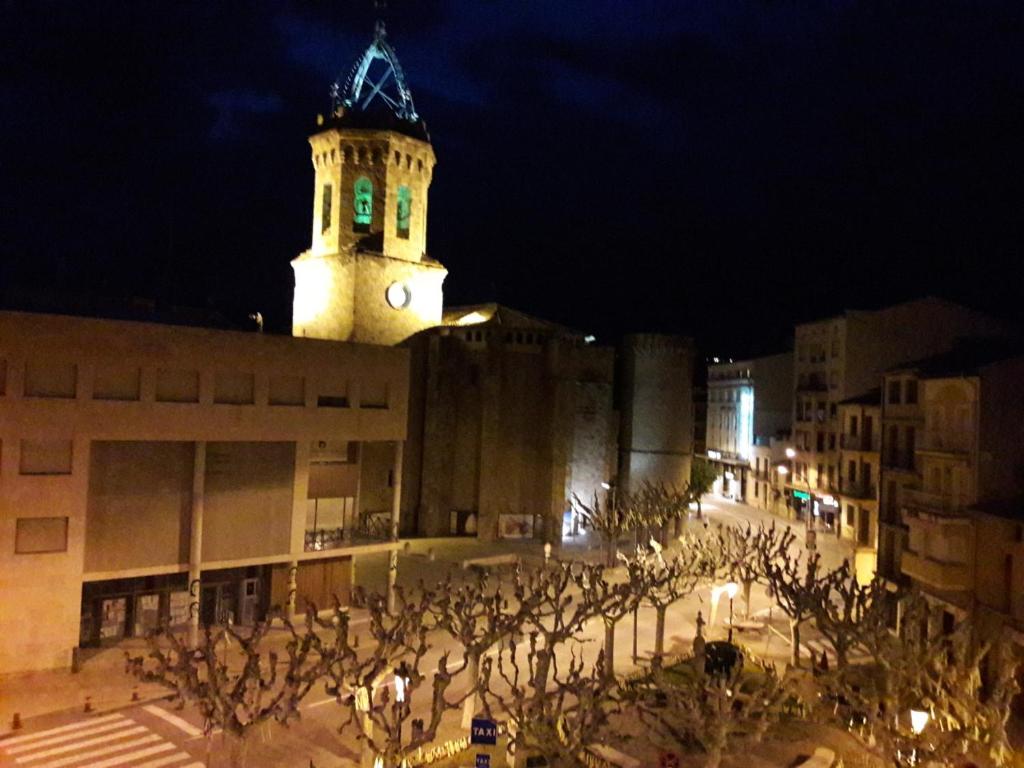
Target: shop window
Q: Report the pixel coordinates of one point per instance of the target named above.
(40, 535)
(362, 204)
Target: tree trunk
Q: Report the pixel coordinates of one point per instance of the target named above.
(237, 749)
(794, 636)
(747, 584)
(659, 633)
(609, 552)
(469, 708)
(609, 650)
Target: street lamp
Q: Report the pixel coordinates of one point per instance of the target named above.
(918, 720)
(731, 589)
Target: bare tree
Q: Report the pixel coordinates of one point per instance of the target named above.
(702, 478)
(745, 550)
(400, 644)
(847, 612)
(795, 585)
(477, 616)
(551, 711)
(688, 707)
(939, 675)
(612, 519)
(232, 698)
(664, 581)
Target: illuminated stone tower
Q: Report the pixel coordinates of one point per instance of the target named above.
(366, 276)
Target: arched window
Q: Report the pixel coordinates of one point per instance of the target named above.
(362, 204)
(404, 212)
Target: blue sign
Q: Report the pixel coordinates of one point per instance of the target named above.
(483, 732)
(483, 761)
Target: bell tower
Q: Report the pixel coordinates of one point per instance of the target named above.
(366, 276)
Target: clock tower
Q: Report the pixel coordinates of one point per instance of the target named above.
(366, 276)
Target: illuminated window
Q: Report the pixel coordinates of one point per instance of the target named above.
(325, 208)
(362, 204)
(404, 212)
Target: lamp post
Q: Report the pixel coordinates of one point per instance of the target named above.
(731, 589)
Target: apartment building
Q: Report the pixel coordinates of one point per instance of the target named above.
(152, 473)
(844, 357)
(953, 515)
(860, 420)
(748, 404)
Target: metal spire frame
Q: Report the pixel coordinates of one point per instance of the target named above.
(362, 86)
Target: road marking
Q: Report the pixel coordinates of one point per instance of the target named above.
(99, 752)
(62, 729)
(177, 722)
(139, 753)
(80, 744)
(78, 734)
(167, 761)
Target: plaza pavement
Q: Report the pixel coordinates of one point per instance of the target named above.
(55, 700)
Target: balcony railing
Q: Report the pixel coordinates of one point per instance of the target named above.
(859, 442)
(374, 529)
(935, 503)
(858, 490)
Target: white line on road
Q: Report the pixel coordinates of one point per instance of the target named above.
(78, 734)
(99, 752)
(179, 723)
(62, 729)
(80, 744)
(139, 753)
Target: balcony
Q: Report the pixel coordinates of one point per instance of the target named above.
(945, 504)
(858, 490)
(374, 529)
(859, 442)
(895, 459)
(948, 441)
(936, 573)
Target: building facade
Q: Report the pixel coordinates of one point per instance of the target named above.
(748, 405)
(860, 440)
(510, 417)
(846, 356)
(152, 473)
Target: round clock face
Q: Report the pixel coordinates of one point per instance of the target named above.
(398, 295)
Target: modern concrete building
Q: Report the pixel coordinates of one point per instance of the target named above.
(844, 357)
(510, 416)
(153, 473)
(749, 404)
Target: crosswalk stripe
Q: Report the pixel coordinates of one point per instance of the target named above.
(140, 753)
(62, 729)
(99, 752)
(81, 733)
(174, 720)
(160, 762)
(81, 744)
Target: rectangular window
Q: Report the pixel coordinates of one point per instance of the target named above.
(853, 426)
(911, 445)
(116, 383)
(45, 457)
(911, 392)
(234, 388)
(287, 390)
(849, 514)
(39, 535)
(325, 208)
(832, 441)
(757, 487)
(50, 379)
(403, 212)
(865, 470)
(173, 386)
(821, 475)
(894, 392)
(852, 472)
(820, 442)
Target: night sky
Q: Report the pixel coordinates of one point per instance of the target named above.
(720, 169)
